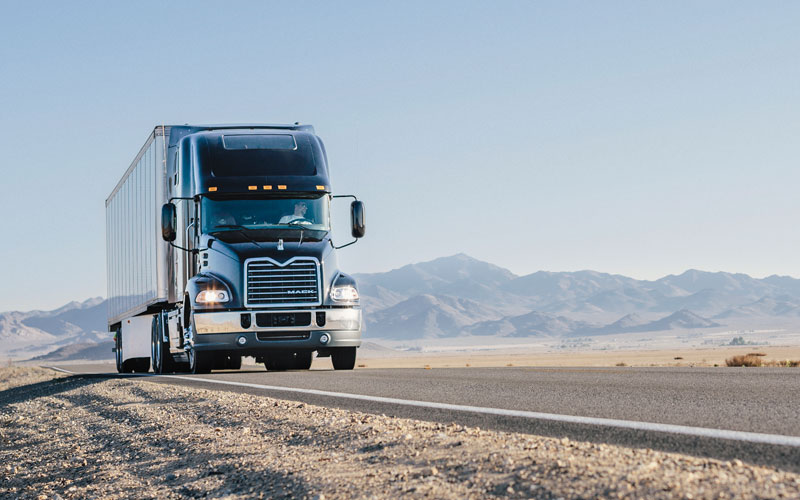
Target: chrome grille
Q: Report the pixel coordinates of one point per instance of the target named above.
(275, 285)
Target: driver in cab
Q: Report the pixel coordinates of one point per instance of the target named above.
(224, 218)
(299, 215)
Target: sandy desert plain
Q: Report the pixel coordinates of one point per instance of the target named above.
(680, 349)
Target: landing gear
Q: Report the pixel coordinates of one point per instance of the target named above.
(343, 358)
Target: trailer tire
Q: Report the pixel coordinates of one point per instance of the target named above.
(122, 366)
(343, 358)
(159, 350)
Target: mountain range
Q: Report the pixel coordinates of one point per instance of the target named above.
(462, 296)
(459, 295)
(32, 333)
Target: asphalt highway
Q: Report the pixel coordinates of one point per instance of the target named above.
(749, 414)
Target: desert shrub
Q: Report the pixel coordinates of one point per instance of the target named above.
(789, 363)
(746, 360)
(756, 354)
(621, 363)
(755, 359)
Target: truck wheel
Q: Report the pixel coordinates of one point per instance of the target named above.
(118, 350)
(122, 366)
(160, 357)
(200, 362)
(302, 360)
(343, 358)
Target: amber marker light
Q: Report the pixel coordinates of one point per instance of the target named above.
(320, 188)
(212, 189)
(281, 186)
(267, 187)
(252, 188)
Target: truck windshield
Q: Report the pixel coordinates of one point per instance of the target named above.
(266, 219)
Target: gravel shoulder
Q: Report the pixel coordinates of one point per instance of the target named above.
(94, 437)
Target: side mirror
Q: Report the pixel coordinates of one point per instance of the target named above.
(169, 222)
(357, 219)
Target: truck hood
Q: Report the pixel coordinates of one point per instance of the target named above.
(247, 250)
(225, 262)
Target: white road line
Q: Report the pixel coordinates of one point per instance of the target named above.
(62, 370)
(750, 437)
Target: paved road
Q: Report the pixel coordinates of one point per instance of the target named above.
(747, 400)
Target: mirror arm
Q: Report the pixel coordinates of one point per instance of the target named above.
(345, 245)
(356, 239)
(194, 251)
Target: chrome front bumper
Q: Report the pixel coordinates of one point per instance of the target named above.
(215, 330)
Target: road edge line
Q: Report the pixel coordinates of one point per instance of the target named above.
(743, 436)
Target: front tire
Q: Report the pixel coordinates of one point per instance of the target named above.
(343, 358)
(200, 362)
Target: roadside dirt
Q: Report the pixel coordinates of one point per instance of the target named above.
(70, 437)
(706, 357)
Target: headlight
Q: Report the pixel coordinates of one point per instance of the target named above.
(347, 293)
(212, 297)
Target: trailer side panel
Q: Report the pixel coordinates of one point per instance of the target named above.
(136, 254)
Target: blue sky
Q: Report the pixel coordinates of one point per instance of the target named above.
(640, 138)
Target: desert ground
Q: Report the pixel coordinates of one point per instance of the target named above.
(714, 356)
(114, 438)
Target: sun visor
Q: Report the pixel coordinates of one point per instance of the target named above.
(234, 162)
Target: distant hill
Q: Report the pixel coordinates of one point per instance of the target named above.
(459, 295)
(562, 303)
(81, 351)
(533, 324)
(428, 316)
(33, 333)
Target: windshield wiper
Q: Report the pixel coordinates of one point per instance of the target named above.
(302, 228)
(241, 230)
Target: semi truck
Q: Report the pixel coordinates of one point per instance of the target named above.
(219, 246)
